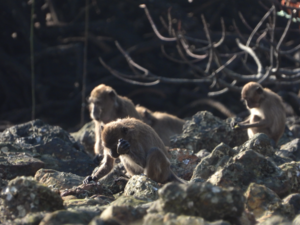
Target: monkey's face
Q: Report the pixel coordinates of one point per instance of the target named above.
(252, 95)
(102, 103)
(111, 133)
(146, 115)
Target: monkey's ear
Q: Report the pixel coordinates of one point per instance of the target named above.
(112, 94)
(259, 90)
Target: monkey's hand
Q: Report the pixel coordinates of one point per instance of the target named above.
(234, 125)
(123, 147)
(89, 179)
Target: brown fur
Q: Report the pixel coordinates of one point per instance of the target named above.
(164, 124)
(106, 106)
(146, 154)
(267, 114)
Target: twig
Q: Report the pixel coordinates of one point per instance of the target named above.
(32, 60)
(83, 106)
(153, 25)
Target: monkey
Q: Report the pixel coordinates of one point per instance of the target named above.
(105, 105)
(267, 114)
(139, 148)
(164, 124)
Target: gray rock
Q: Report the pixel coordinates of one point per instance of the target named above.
(57, 180)
(183, 162)
(123, 214)
(142, 187)
(260, 143)
(30, 219)
(250, 166)
(213, 162)
(294, 200)
(13, 164)
(86, 136)
(292, 173)
(172, 218)
(50, 144)
(204, 131)
(264, 203)
(24, 195)
(290, 150)
(68, 217)
(275, 220)
(199, 199)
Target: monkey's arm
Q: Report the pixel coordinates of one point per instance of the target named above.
(245, 121)
(261, 123)
(105, 168)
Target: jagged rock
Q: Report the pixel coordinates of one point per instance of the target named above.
(3, 183)
(199, 199)
(24, 195)
(183, 162)
(13, 164)
(290, 150)
(204, 131)
(263, 202)
(68, 217)
(94, 200)
(123, 214)
(86, 136)
(57, 180)
(98, 221)
(30, 219)
(294, 200)
(87, 190)
(142, 187)
(275, 220)
(260, 143)
(50, 144)
(116, 180)
(292, 172)
(296, 221)
(250, 166)
(172, 218)
(213, 162)
(202, 154)
(129, 200)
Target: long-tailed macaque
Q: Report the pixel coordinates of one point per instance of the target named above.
(106, 105)
(139, 148)
(164, 124)
(267, 114)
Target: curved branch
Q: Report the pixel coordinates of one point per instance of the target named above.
(154, 26)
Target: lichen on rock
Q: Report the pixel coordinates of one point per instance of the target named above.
(24, 195)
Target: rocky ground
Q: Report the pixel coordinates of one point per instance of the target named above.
(231, 180)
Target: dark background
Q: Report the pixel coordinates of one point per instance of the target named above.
(59, 47)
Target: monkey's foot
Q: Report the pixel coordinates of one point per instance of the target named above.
(123, 147)
(97, 159)
(89, 179)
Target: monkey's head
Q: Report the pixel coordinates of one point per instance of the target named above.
(145, 114)
(115, 130)
(252, 94)
(103, 102)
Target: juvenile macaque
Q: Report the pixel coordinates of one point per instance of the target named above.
(106, 105)
(267, 114)
(139, 148)
(164, 124)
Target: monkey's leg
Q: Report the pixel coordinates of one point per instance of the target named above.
(105, 168)
(157, 166)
